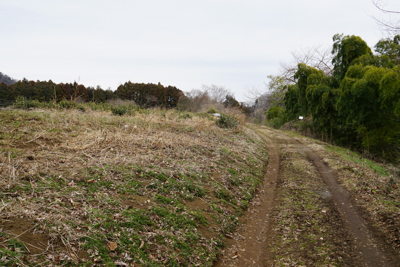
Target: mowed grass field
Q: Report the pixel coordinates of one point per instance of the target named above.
(155, 188)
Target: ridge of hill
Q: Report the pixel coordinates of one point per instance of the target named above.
(6, 79)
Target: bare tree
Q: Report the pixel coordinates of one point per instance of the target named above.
(216, 93)
(253, 93)
(195, 100)
(391, 24)
(317, 57)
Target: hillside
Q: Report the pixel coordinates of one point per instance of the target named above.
(6, 79)
(157, 188)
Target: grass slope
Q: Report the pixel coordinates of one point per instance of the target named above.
(159, 188)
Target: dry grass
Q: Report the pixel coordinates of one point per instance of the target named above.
(374, 187)
(164, 186)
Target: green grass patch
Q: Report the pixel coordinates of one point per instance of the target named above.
(357, 158)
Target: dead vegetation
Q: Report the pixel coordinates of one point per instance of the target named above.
(160, 188)
(307, 230)
(374, 188)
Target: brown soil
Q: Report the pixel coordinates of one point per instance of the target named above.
(372, 250)
(355, 240)
(36, 241)
(248, 247)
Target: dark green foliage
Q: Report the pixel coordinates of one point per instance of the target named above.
(119, 110)
(150, 95)
(230, 101)
(227, 121)
(65, 104)
(100, 95)
(390, 48)
(360, 104)
(302, 74)
(145, 95)
(369, 97)
(345, 50)
(322, 103)
(276, 116)
(373, 60)
(291, 102)
(128, 109)
(273, 112)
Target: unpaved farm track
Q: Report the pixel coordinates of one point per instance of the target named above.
(351, 236)
(248, 246)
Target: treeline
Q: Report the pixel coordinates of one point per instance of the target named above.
(358, 105)
(144, 95)
(150, 95)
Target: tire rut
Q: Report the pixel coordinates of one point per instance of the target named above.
(371, 250)
(249, 245)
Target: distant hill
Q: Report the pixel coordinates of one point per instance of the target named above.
(6, 79)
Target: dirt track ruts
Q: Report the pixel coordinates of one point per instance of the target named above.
(249, 247)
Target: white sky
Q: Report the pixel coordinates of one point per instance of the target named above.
(184, 43)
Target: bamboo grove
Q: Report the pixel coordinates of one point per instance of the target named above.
(359, 104)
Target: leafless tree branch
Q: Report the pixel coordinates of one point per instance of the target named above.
(317, 57)
(388, 25)
(253, 93)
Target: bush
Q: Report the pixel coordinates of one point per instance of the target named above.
(276, 116)
(273, 112)
(227, 121)
(65, 104)
(128, 109)
(184, 115)
(212, 110)
(119, 110)
(21, 102)
(80, 108)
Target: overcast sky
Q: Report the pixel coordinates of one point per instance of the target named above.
(184, 43)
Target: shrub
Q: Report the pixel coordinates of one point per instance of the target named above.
(273, 112)
(128, 109)
(20, 102)
(80, 108)
(185, 115)
(212, 110)
(227, 121)
(119, 110)
(65, 104)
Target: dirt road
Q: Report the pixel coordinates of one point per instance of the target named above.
(302, 217)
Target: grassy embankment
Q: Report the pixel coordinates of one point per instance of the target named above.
(153, 188)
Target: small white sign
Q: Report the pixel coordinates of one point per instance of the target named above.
(300, 117)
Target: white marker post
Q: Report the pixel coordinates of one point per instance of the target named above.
(300, 117)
